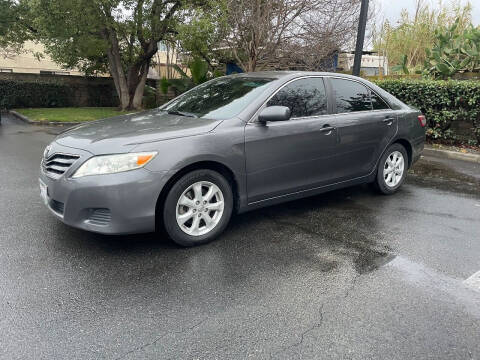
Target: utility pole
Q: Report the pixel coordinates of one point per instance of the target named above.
(362, 24)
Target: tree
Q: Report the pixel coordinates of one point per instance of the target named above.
(288, 34)
(415, 33)
(118, 36)
(13, 30)
(259, 27)
(203, 36)
(325, 29)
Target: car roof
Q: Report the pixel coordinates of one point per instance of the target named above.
(292, 74)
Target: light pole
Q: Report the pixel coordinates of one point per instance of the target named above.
(362, 24)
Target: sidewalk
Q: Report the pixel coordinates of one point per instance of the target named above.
(436, 164)
(449, 154)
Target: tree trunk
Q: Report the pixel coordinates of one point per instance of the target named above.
(120, 85)
(136, 99)
(130, 87)
(116, 68)
(130, 90)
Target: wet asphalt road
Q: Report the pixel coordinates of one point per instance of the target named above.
(348, 274)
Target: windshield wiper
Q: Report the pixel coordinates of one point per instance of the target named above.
(181, 113)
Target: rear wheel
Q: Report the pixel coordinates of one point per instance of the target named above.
(198, 207)
(392, 169)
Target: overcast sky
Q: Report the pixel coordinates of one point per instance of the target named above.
(391, 8)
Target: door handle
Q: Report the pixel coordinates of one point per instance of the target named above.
(388, 120)
(327, 129)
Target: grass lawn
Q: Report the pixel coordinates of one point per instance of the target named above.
(71, 114)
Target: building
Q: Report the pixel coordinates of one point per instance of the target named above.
(372, 63)
(27, 63)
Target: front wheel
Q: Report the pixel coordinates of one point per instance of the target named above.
(392, 169)
(198, 207)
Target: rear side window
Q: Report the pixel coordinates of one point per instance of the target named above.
(377, 102)
(304, 97)
(350, 96)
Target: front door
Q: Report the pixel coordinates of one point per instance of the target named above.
(290, 156)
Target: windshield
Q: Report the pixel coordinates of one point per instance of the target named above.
(219, 99)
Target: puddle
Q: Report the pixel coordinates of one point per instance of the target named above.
(324, 232)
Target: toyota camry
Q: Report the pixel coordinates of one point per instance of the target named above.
(230, 145)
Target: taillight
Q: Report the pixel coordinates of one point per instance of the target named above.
(422, 120)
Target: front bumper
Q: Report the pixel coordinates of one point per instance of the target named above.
(122, 203)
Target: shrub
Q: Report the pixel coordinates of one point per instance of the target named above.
(19, 94)
(99, 95)
(446, 104)
(149, 97)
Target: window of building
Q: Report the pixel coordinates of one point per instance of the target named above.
(6, 70)
(51, 72)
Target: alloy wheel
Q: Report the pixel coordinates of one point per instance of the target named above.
(393, 169)
(200, 208)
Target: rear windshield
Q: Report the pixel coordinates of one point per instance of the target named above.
(220, 99)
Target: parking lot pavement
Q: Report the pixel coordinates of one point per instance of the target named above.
(349, 274)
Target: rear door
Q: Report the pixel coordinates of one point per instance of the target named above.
(365, 125)
(289, 156)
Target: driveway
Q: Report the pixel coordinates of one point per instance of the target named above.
(349, 274)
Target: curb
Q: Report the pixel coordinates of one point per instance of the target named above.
(32, 122)
(452, 154)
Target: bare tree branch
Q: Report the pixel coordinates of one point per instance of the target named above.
(289, 34)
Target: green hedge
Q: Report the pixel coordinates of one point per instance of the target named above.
(100, 95)
(20, 94)
(452, 107)
(58, 93)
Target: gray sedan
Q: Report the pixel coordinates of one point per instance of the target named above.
(230, 145)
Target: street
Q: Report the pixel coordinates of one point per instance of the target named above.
(348, 274)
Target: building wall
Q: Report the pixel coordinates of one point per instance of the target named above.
(371, 64)
(26, 62)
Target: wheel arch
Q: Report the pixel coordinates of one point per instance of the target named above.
(199, 165)
(408, 147)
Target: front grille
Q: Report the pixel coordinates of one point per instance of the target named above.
(57, 206)
(57, 164)
(100, 217)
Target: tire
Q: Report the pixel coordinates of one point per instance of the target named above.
(192, 219)
(391, 175)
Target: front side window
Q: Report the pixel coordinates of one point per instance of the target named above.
(304, 97)
(221, 99)
(350, 96)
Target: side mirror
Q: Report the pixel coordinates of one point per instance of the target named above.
(274, 113)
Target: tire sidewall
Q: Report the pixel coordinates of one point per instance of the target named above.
(380, 180)
(170, 207)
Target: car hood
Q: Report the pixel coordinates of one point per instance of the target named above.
(123, 133)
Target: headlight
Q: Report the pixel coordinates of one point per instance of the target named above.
(110, 164)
